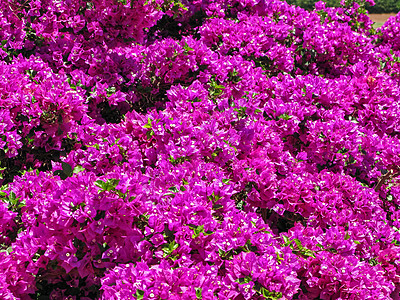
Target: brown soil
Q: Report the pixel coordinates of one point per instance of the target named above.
(380, 18)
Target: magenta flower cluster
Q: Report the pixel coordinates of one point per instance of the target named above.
(208, 149)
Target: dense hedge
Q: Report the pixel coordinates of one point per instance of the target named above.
(216, 149)
(381, 6)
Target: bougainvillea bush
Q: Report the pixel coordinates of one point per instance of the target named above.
(220, 149)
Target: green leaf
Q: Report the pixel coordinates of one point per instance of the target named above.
(308, 252)
(111, 184)
(61, 173)
(298, 243)
(187, 48)
(270, 295)
(240, 204)
(21, 204)
(285, 117)
(244, 280)
(173, 189)
(65, 172)
(226, 181)
(78, 206)
(148, 125)
(221, 252)
(279, 258)
(197, 99)
(215, 197)
(8, 250)
(234, 76)
(149, 134)
(67, 169)
(101, 184)
(13, 198)
(229, 144)
(286, 240)
(139, 294)
(196, 230)
(217, 206)
(215, 88)
(343, 150)
(78, 169)
(199, 293)
(169, 248)
(179, 160)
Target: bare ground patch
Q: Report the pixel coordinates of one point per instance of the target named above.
(380, 18)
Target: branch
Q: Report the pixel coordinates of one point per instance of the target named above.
(382, 180)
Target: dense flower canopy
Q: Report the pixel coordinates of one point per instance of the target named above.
(219, 149)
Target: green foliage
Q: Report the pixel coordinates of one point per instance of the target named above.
(109, 185)
(384, 6)
(13, 201)
(178, 160)
(67, 171)
(285, 117)
(199, 293)
(297, 247)
(215, 89)
(169, 248)
(270, 295)
(139, 294)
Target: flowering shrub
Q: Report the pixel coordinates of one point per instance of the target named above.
(174, 149)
